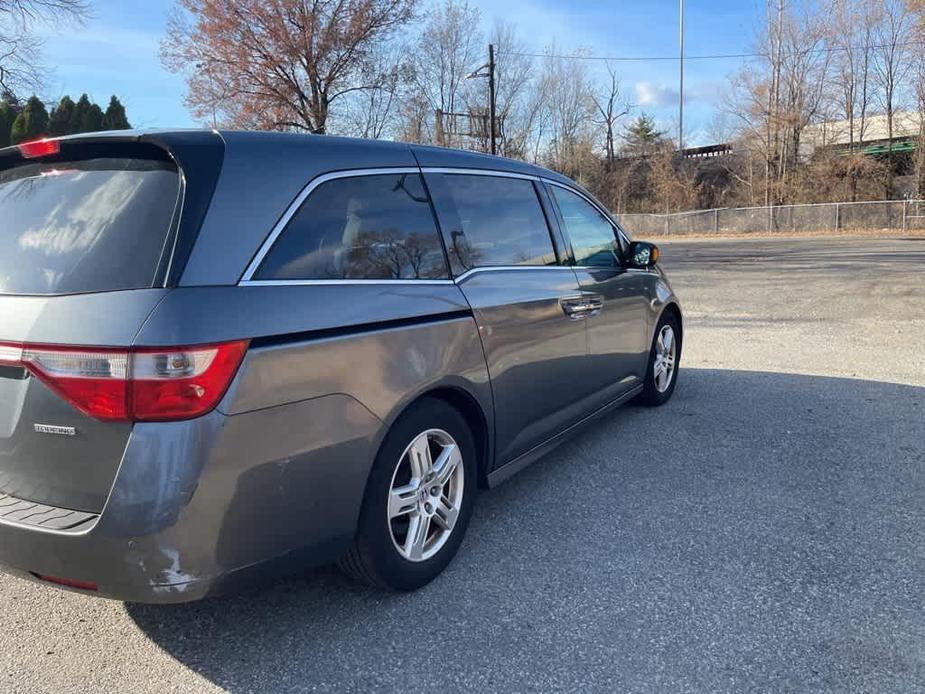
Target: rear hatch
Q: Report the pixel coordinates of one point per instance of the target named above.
(88, 231)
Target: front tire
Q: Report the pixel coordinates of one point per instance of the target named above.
(418, 499)
(664, 360)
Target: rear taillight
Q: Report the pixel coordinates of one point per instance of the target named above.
(139, 384)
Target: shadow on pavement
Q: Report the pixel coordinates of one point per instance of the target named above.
(760, 531)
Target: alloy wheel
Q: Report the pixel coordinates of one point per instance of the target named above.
(665, 356)
(425, 495)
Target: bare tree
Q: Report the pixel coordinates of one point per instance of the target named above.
(891, 67)
(917, 8)
(775, 22)
(674, 182)
(371, 112)
(568, 108)
(778, 97)
(278, 64)
(806, 61)
(448, 49)
(414, 123)
(920, 149)
(611, 106)
(517, 106)
(21, 68)
(852, 25)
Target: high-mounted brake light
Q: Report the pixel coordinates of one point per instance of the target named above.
(39, 148)
(138, 384)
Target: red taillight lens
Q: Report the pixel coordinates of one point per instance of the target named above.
(182, 383)
(39, 148)
(95, 381)
(142, 384)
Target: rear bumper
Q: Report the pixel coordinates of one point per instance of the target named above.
(202, 506)
(117, 568)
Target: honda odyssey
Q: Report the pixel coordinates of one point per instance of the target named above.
(227, 354)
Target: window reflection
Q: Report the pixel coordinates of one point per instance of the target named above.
(363, 227)
(502, 222)
(92, 225)
(591, 233)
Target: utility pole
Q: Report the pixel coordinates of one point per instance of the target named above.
(681, 90)
(492, 128)
(492, 98)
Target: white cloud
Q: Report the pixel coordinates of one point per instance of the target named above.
(699, 137)
(655, 95)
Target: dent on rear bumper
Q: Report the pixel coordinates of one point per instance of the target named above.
(196, 503)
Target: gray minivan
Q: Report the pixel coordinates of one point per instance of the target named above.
(227, 354)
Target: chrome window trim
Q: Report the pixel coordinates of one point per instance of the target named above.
(598, 268)
(590, 201)
(292, 283)
(279, 227)
(455, 170)
(508, 268)
(456, 280)
(247, 278)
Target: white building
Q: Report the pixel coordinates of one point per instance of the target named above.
(875, 132)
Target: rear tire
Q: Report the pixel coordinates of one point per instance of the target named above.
(418, 499)
(664, 361)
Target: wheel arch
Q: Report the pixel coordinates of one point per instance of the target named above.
(675, 310)
(670, 307)
(468, 406)
(464, 400)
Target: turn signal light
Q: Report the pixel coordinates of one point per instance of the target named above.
(142, 384)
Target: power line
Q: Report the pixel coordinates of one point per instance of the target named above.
(617, 59)
(714, 56)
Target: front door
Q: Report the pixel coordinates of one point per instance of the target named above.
(617, 334)
(503, 256)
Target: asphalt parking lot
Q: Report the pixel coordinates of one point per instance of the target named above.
(763, 531)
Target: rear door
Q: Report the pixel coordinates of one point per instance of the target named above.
(618, 332)
(502, 253)
(85, 233)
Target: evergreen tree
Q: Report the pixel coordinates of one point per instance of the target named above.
(83, 105)
(60, 121)
(642, 137)
(7, 116)
(115, 118)
(32, 123)
(92, 120)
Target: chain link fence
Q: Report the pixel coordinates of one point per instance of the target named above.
(901, 215)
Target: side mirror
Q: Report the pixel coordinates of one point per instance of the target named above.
(643, 254)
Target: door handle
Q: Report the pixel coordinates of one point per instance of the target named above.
(580, 307)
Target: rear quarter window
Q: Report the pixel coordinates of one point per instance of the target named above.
(84, 226)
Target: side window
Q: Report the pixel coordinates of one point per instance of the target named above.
(362, 227)
(500, 222)
(593, 237)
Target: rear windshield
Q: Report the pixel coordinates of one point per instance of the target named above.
(84, 226)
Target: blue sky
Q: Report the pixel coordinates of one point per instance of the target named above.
(117, 52)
